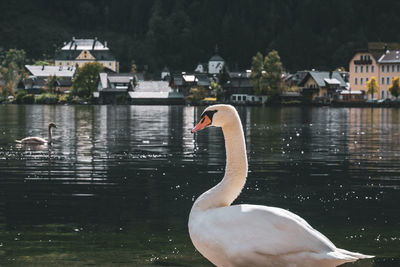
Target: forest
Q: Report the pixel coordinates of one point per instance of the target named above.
(180, 34)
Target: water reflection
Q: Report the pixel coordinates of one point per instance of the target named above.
(120, 180)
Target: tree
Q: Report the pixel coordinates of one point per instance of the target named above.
(372, 87)
(266, 74)
(394, 89)
(12, 70)
(256, 71)
(272, 77)
(52, 83)
(197, 94)
(85, 81)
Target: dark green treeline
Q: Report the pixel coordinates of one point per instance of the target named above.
(306, 33)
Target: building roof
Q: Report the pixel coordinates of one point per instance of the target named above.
(202, 80)
(85, 44)
(153, 86)
(320, 76)
(120, 77)
(112, 81)
(391, 56)
(46, 71)
(378, 48)
(216, 58)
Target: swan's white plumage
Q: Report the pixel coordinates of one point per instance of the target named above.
(33, 140)
(253, 235)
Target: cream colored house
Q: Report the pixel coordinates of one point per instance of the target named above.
(78, 52)
(384, 67)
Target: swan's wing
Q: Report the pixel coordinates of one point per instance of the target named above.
(33, 140)
(259, 229)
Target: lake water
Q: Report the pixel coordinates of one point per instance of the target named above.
(117, 186)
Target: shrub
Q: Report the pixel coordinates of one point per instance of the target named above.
(47, 99)
(20, 96)
(63, 99)
(28, 99)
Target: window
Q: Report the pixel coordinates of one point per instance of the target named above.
(387, 80)
(366, 68)
(356, 69)
(361, 68)
(392, 68)
(398, 68)
(387, 68)
(60, 63)
(355, 81)
(244, 98)
(366, 79)
(234, 98)
(361, 80)
(239, 98)
(383, 94)
(383, 80)
(383, 68)
(372, 68)
(253, 98)
(260, 98)
(361, 57)
(387, 94)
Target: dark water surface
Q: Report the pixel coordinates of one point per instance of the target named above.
(118, 184)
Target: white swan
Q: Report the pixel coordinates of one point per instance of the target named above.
(38, 140)
(252, 235)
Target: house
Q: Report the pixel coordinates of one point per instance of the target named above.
(322, 86)
(351, 96)
(379, 60)
(113, 88)
(78, 52)
(155, 93)
(238, 89)
(33, 85)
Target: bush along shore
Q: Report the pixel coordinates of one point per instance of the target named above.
(48, 99)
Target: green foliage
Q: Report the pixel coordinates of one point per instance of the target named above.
(52, 83)
(197, 94)
(223, 76)
(266, 74)
(12, 69)
(20, 96)
(62, 99)
(41, 63)
(182, 33)
(47, 98)
(372, 87)
(28, 99)
(85, 81)
(394, 89)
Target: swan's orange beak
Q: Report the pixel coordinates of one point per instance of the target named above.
(204, 122)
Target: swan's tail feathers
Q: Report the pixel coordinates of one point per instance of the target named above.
(354, 254)
(18, 141)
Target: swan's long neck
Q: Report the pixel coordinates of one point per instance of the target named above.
(50, 135)
(224, 193)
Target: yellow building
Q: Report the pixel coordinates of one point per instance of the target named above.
(383, 64)
(78, 52)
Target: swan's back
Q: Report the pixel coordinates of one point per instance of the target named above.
(32, 141)
(252, 235)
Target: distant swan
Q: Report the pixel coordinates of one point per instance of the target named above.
(252, 235)
(38, 140)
